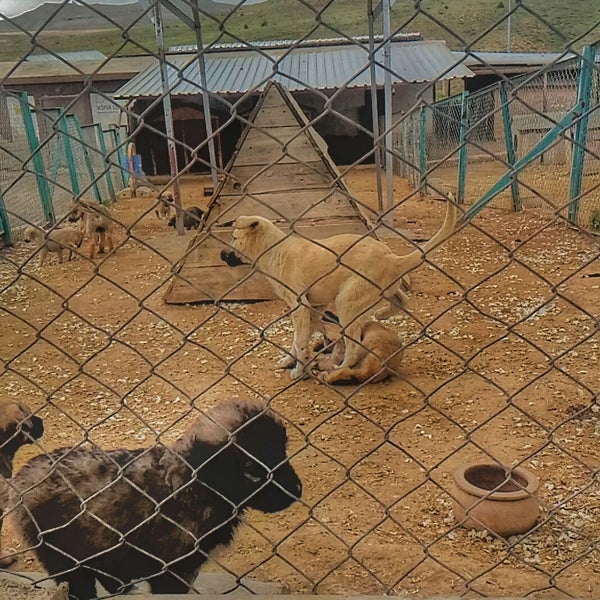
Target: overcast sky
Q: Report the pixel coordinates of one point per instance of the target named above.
(12, 8)
(16, 7)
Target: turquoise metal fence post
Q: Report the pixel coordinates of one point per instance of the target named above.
(422, 152)
(119, 148)
(413, 148)
(106, 161)
(5, 230)
(533, 154)
(510, 147)
(86, 157)
(462, 148)
(38, 163)
(64, 129)
(584, 89)
(403, 167)
(410, 150)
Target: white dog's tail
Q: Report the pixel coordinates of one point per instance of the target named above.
(410, 261)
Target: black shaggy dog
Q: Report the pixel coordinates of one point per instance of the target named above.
(17, 428)
(123, 516)
(192, 218)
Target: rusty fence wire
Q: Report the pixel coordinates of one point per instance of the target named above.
(173, 399)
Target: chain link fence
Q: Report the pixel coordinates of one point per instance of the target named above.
(515, 125)
(151, 366)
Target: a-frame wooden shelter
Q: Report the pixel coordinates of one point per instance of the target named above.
(280, 170)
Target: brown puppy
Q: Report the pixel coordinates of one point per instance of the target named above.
(379, 357)
(97, 223)
(17, 428)
(192, 218)
(55, 240)
(164, 201)
(350, 273)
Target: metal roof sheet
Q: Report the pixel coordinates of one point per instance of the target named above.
(289, 43)
(67, 56)
(499, 59)
(328, 66)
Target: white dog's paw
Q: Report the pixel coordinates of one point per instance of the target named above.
(299, 372)
(287, 361)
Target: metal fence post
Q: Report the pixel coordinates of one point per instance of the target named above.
(510, 146)
(116, 135)
(462, 148)
(64, 129)
(105, 159)
(422, 152)
(403, 165)
(584, 89)
(534, 153)
(5, 229)
(38, 163)
(413, 143)
(87, 158)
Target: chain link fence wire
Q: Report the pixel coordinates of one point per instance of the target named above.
(506, 122)
(493, 354)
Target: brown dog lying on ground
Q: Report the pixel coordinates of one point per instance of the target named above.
(96, 222)
(55, 240)
(164, 201)
(379, 357)
(17, 428)
(349, 273)
(192, 218)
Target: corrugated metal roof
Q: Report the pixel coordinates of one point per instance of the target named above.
(67, 56)
(298, 68)
(271, 44)
(499, 59)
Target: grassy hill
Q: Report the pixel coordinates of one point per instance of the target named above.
(536, 25)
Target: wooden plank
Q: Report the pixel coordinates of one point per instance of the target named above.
(311, 204)
(273, 97)
(209, 284)
(261, 149)
(275, 116)
(277, 177)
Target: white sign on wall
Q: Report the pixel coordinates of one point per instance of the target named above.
(107, 111)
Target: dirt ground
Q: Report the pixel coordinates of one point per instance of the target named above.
(501, 362)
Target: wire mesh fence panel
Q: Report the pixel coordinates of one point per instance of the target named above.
(55, 158)
(18, 182)
(304, 367)
(91, 143)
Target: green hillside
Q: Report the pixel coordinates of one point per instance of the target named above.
(536, 26)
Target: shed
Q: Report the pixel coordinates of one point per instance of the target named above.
(280, 170)
(331, 80)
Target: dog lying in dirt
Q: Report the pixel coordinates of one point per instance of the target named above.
(379, 357)
(349, 273)
(164, 201)
(96, 222)
(192, 218)
(17, 428)
(55, 241)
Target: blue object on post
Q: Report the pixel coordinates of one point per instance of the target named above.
(137, 165)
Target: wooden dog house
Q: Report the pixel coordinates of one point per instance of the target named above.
(280, 170)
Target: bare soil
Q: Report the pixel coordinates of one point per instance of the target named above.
(501, 363)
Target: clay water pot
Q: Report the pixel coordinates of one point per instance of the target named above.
(487, 498)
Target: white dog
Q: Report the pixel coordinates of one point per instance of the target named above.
(55, 240)
(349, 273)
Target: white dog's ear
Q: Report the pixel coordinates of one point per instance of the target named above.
(246, 222)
